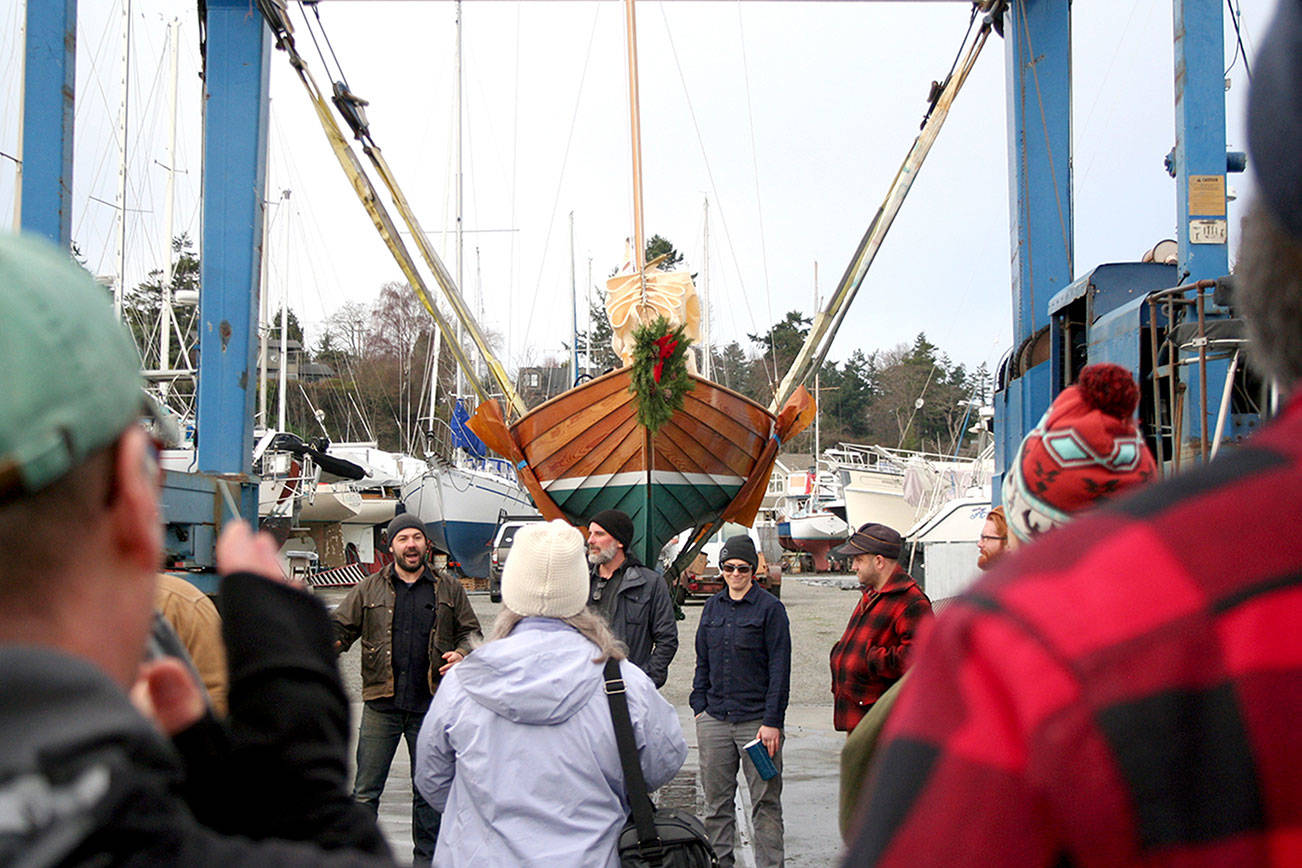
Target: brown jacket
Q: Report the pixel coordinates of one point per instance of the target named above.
(366, 612)
(195, 621)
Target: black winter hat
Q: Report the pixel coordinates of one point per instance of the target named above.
(739, 548)
(401, 522)
(616, 523)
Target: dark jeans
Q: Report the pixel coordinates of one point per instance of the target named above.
(377, 741)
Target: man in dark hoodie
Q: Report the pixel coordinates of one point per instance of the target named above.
(633, 598)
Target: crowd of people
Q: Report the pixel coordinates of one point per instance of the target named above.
(1119, 688)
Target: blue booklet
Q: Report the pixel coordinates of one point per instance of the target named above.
(759, 755)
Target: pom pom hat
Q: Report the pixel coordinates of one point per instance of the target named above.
(1085, 449)
(546, 573)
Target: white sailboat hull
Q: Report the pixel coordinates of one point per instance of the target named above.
(460, 507)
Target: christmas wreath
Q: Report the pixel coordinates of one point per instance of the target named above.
(659, 378)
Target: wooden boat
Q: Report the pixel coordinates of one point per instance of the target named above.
(584, 451)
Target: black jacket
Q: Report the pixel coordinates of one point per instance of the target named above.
(643, 619)
(92, 782)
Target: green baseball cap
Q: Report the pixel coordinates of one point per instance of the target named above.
(69, 372)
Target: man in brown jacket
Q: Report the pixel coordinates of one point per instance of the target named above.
(415, 623)
(194, 619)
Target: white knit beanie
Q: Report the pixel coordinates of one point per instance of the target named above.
(546, 572)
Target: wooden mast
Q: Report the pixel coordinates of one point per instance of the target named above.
(639, 250)
(635, 121)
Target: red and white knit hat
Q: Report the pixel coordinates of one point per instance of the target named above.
(1086, 448)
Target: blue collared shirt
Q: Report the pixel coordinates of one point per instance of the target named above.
(743, 658)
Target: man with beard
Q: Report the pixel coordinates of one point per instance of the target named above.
(415, 623)
(993, 543)
(877, 645)
(632, 597)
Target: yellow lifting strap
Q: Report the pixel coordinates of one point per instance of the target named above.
(388, 230)
(828, 320)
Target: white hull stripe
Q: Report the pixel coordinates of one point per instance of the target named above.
(658, 477)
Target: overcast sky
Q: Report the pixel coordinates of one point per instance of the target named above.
(790, 118)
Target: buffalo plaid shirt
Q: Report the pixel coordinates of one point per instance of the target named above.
(1128, 691)
(874, 651)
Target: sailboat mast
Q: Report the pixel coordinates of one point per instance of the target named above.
(574, 312)
(460, 284)
(635, 121)
(165, 326)
(705, 300)
(284, 328)
(818, 399)
(119, 288)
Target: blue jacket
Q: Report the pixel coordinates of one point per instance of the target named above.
(518, 752)
(743, 658)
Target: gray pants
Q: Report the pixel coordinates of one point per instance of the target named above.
(720, 746)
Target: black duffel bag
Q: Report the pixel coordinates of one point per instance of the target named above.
(653, 837)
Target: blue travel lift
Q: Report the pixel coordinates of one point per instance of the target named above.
(1163, 322)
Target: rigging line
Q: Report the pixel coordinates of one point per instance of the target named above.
(709, 173)
(560, 180)
(1044, 126)
(368, 195)
(326, 37)
(1107, 75)
(759, 209)
(1238, 39)
(828, 321)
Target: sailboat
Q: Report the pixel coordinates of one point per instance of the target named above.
(586, 450)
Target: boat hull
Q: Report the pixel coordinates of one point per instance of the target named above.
(816, 534)
(584, 451)
(460, 508)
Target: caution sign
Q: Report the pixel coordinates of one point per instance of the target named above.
(1207, 195)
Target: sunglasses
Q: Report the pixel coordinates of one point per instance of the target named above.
(985, 538)
(735, 568)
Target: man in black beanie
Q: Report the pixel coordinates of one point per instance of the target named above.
(739, 694)
(634, 598)
(415, 623)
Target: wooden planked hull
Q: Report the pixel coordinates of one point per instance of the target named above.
(584, 451)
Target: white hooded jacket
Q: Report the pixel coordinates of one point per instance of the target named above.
(518, 752)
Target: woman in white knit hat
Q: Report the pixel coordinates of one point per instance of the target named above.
(518, 748)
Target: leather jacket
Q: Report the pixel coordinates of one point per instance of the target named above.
(366, 613)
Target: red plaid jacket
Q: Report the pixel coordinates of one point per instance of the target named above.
(1127, 691)
(875, 649)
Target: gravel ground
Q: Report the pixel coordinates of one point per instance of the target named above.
(818, 609)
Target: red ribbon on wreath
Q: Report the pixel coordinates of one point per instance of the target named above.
(666, 345)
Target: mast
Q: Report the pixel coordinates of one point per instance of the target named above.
(264, 329)
(574, 312)
(705, 300)
(284, 324)
(120, 286)
(460, 340)
(817, 397)
(165, 326)
(635, 121)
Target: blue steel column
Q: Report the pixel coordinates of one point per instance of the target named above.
(1037, 54)
(235, 160)
(1200, 163)
(1200, 138)
(49, 81)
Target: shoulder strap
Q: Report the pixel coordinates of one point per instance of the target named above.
(634, 783)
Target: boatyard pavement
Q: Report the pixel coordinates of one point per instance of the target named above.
(818, 608)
